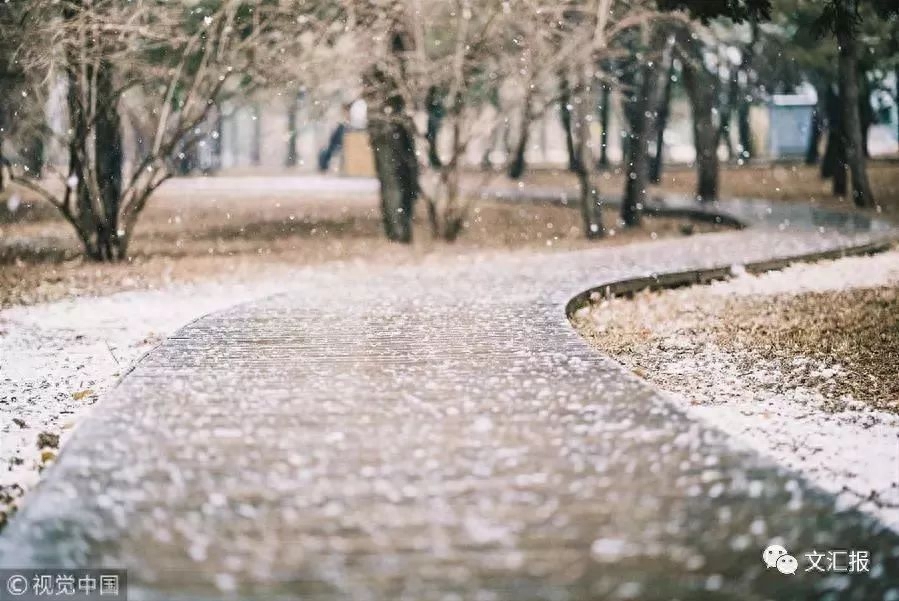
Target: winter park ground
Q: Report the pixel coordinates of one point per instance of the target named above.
(209, 230)
(71, 327)
(798, 364)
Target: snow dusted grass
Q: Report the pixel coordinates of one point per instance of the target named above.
(799, 364)
(195, 229)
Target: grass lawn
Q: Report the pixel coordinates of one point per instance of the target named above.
(190, 236)
(841, 344)
(857, 329)
(787, 182)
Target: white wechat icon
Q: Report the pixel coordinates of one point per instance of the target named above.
(776, 556)
(787, 564)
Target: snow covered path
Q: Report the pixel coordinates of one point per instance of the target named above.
(425, 432)
(58, 358)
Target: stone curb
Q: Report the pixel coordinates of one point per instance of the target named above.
(678, 279)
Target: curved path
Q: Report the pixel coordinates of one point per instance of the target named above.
(424, 433)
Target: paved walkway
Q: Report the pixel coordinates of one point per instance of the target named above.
(437, 434)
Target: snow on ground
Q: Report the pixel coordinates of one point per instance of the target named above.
(56, 359)
(865, 271)
(782, 413)
(856, 449)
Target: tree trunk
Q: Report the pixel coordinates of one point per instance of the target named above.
(397, 169)
(7, 87)
(393, 145)
(833, 164)
(2, 158)
(292, 156)
(256, 140)
(726, 111)
(701, 92)
(33, 154)
(744, 127)
(605, 96)
(186, 160)
(814, 136)
(434, 106)
(591, 203)
(744, 130)
(446, 213)
(565, 115)
(84, 217)
(109, 159)
(218, 138)
(95, 178)
(655, 171)
(849, 94)
(840, 177)
(637, 110)
(493, 140)
(495, 131)
(865, 112)
(5, 92)
(833, 113)
(518, 163)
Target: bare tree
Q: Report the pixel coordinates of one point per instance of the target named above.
(606, 33)
(447, 59)
(291, 157)
(517, 163)
(20, 113)
(603, 107)
(565, 109)
(642, 99)
(669, 73)
(590, 200)
(174, 62)
(437, 59)
(700, 85)
(392, 136)
(845, 26)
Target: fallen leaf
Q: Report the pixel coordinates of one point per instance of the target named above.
(82, 393)
(47, 440)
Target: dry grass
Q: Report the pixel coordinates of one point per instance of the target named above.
(857, 329)
(225, 235)
(793, 183)
(236, 234)
(837, 343)
(783, 182)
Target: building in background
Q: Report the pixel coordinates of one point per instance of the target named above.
(790, 122)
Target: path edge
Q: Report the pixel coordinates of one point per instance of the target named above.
(691, 277)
